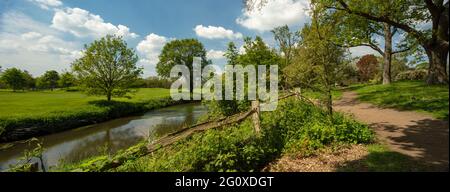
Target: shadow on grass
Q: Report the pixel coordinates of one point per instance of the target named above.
(407, 95)
(380, 159)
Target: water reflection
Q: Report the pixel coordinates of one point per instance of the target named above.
(111, 136)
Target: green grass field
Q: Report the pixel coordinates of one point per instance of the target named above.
(407, 95)
(42, 103)
(28, 114)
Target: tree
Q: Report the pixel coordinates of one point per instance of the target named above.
(367, 67)
(433, 39)
(404, 15)
(14, 79)
(67, 80)
(357, 31)
(318, 64)
(30, 81)
(50, 79)
(181, 52)
(258, 53)
(107, 67)
(232, 54)
(286, 42)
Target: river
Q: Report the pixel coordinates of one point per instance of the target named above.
(111, 136)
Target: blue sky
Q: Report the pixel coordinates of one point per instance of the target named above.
(40, 35)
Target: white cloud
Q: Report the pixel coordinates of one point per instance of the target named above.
(213, 32)
(275, 13)
(213, 54)
(33, 46)
(82, 23)
(149, 49)
(46, 4)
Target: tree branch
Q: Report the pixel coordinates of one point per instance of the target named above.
(419, 35)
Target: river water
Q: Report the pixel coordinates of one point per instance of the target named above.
(111, 136)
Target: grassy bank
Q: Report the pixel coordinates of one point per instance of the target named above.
(26, 114)
(295, 127)
(407, 95)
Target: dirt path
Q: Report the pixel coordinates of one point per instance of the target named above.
(417, 135)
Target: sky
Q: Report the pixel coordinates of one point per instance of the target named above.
(41, 35)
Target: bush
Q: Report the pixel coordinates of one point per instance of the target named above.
(296, 127)
(418, 74)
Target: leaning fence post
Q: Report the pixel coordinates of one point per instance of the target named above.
(255, 117)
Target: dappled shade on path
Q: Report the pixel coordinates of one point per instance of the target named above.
(417, 135)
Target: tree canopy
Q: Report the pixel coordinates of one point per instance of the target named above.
(107, 67)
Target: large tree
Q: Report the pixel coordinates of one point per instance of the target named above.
(107, 67)
(50, 79)
(14, 78)
(181, 52)
(356, 31)
(411, 16)
(415, 15)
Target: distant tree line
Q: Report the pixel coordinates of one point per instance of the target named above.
(21, 80)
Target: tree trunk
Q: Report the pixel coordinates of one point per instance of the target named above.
(437, 50)
(330, 104)
(437, 72)
(387, 56)
(108, 96)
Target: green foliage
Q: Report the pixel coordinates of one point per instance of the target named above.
(26, 163)
(49, 80)
(256, 53)
(408, 95)
(181, 52)
(157, 82)
(295, 127)
(368, 67)
(319, 64)
(14, 78)
(67, 80)
(418, 74)
(108, 67)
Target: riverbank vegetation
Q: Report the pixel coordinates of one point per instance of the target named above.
(26, 114)
(296, 127)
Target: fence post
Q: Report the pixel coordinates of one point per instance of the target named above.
(255, 117)
(298, 93)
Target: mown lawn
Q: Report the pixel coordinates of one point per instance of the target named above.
(42, 103)
(407, 95)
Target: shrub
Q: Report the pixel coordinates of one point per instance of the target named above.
(418, 74)
(296, 127)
